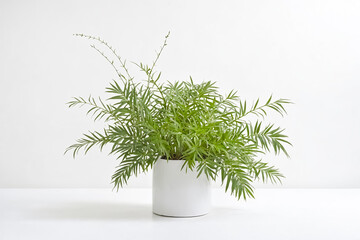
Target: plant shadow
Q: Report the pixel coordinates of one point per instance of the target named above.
(101, 211)
(109, 211)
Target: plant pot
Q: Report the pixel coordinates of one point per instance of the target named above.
(179, 193)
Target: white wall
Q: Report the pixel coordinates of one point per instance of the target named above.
(307, 51)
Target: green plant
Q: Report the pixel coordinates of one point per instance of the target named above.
(182, 120)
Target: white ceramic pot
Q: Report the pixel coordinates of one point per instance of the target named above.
(177, 193)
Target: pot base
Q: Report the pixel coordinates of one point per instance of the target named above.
(169, 216)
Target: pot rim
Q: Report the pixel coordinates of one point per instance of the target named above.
(171, 159)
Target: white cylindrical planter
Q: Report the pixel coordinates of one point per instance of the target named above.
(177, 193)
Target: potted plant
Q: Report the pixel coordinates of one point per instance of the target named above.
(187, 132)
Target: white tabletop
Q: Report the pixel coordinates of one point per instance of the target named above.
(102, 214)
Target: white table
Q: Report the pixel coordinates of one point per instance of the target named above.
(102, 214)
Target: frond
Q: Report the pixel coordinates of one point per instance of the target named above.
(257, 110)
(268, 137)
(264, 172)
(89, 140)
(132, 164)
(237, 180)
(98, 110)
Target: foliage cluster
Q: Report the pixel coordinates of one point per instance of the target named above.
(147, 120)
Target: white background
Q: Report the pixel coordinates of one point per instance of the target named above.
(307, 51)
